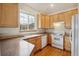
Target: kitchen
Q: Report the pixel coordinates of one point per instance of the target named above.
(36, 29)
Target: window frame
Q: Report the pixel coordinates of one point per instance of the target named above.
(35, 28)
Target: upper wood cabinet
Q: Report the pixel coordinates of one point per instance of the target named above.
(68, 19)
(40, 20)
(61, 17)
(64, 16)
(51, 20)
(47, 22)
(43, 21)
(9, 15)
(55, 18)
(73, 12)
(0, 13)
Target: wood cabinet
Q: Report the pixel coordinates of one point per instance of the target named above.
(55, 18)
(49, 39)
(37, 42)
(0, 48)
(67, 44)
(47, 22)
(68, 19)
(0, 13)
(9, 15)
(51, 20)
(61, 17)
(43, 21)
(75, 11)
(32, 40)
(64, 16)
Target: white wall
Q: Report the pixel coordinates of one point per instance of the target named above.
(9, 30)
(28, 9)
(16, 31)
(51, 30)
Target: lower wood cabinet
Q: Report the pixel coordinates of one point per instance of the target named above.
(49, 39)
(38, 43)
(67, 44)
(0, 48)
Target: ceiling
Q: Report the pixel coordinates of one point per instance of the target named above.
(45, 7)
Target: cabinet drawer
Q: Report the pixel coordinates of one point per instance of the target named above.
(32, 40)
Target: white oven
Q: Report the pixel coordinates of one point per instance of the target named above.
(57, 41)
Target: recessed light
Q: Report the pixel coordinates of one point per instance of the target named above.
(51, 5)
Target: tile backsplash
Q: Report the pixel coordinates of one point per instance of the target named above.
(51, 30)
(16, 31)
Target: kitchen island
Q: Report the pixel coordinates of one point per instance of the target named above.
(16, 45)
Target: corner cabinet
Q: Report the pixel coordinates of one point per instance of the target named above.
(43, 21)
(9, 15)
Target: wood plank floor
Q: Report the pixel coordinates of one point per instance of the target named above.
(51, 51)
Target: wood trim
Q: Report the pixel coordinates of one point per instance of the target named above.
(62, 11)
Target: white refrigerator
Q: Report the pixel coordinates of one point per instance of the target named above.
(75, 36)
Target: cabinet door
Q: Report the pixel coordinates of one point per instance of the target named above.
(46, 21)
(41, 21)
(51, 20)
(9, 15)
(0, 13)
(49, 39)
(55, 18)
(31, 40)
(68, 19)
(61, 17)
(75, 11)
(38, 43)
(0, 48)
(67, 43)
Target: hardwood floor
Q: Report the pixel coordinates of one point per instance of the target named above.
(51, 51)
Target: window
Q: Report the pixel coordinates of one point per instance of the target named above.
(27, 22)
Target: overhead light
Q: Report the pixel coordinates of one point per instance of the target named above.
(51, 5)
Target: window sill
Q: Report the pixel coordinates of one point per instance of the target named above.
(29, 30)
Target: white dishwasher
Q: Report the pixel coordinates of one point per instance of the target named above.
(44, 41)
